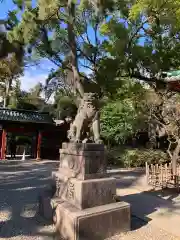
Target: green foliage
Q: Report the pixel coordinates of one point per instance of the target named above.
(7, 47)
(65, 106)
(10, 70)
(122, 116)
(143, 35)
(43, 29)
(23, 140)
(120, 52)
(167, 9)
(25, 105)
(119, 121)
(129, 157)
(27, 100)
(116, 41)
(138, 157)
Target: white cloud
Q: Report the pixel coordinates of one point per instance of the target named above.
(35, 74)
(28, 81)
(39, 73)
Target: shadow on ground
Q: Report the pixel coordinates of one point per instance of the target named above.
(20, 186)
(128, 178)
(148, 203)
(170, 194)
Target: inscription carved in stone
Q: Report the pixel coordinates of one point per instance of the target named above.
(96, 165)
(71, 163)
(58, 186)
(70, 191)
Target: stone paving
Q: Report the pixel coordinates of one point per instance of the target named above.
(159, 210)
(146, 233)
(20, 185)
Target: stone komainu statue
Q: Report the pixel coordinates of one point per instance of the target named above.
(86, 121)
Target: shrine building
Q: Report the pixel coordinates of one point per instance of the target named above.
(36, 133)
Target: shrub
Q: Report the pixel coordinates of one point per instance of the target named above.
(22, 140)
(123, 116)
(135, 157)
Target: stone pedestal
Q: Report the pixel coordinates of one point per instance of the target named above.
(85, 197)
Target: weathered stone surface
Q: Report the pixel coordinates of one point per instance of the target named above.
(83, 164)
(45, 208)
(83, 146)
(87, 121)
(93, 223)
(88, 193)
(95, 192)
(85, 199)
(64, 173)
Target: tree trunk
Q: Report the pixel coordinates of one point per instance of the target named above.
(175, 157)
(72, 43)
(5, 102)
(7, 91)
(152, 136)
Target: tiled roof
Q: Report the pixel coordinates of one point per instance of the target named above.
(15, 115)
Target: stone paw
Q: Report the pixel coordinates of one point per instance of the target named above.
(99, 141)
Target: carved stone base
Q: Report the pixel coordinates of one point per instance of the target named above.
(86, 193)
(83, 146)
(84, 200)
(93, 223)
(83, 161)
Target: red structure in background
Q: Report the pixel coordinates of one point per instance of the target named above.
(174, 86)
(45, 135)
(39, 140)
(3, 144)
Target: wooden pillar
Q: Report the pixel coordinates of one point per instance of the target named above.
(3, 145)
(39, 140)
(147, 173)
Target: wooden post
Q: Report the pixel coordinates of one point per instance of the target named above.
(3, 145)
(174, 161)
(157, 174)
(161, 175)
(166, 174)
(39, 140)
(174, 168)
(147, 173)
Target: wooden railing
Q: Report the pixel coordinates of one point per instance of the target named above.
(161, 175)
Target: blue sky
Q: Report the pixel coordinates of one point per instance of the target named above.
(34, 74)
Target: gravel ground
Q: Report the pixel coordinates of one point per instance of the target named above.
(141, 231)
(20, 185)
(144, 231)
